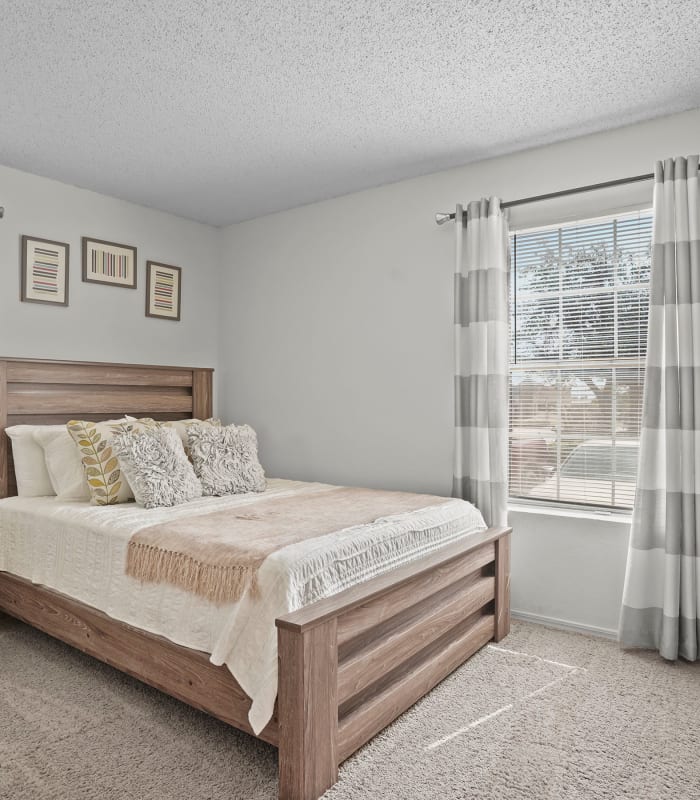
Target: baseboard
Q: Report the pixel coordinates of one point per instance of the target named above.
(564, 624)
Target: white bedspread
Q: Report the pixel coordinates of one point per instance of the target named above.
(80, 550)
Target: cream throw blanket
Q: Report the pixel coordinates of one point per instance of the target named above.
(218, 555)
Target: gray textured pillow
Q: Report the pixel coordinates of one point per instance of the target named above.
(156, 467)
(226, 459)
(181, 426)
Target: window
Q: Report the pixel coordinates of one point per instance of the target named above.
(579, 296)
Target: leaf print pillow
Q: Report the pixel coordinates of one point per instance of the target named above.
(103, 473)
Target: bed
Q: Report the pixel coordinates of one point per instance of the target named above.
(348, 664)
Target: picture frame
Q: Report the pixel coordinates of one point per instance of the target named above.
(109, 262)
(163, 291)
(44, 265)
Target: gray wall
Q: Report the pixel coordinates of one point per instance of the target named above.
(337, 344)
(105, 323)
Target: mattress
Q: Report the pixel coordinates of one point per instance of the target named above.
(80, 550)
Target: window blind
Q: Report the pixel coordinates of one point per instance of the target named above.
(579, 301)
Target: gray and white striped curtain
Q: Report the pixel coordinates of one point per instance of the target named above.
(661, 602)
(481, 358)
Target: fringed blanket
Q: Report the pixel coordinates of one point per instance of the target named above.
(217, 555)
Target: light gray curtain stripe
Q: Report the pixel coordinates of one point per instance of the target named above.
(480, 295)
(661, 599)
(681, 382)
(686, 253)
(652, 630)
(472, 408)
(481, 366)
(658, 518)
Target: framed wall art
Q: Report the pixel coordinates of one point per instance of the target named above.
(44, 271)
(109, 262)
(163, 289)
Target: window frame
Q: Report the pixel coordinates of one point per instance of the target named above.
(562, 364)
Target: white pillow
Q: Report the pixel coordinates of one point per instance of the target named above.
(30, 467)
(63, 463)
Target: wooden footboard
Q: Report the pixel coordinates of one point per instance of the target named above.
(348, 665)
(351, 664)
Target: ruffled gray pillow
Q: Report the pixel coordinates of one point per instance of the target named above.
(156, 467)
(226, 459)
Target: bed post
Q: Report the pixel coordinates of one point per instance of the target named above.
(502, 623)
(4, 466)
(202, 395)
(307, 709)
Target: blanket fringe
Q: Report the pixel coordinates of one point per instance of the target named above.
(217, 583)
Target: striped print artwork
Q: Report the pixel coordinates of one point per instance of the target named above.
(44, 271)
(163, 291)
(108, 262)
(110, 265)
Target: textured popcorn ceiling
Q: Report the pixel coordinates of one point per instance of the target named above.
(222, 111)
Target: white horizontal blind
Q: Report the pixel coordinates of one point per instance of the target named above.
(579, 301)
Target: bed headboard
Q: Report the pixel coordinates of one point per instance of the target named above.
(42, 392)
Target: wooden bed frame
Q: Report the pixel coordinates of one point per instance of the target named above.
(348, 665)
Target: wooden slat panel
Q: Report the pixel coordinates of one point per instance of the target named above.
(46, 399)
(440, 613)
(181, 672)
(308, 712)
(345, 601)
(417, 679)
(62, 419)
(502, 588)
(104, 374)
(372, 613)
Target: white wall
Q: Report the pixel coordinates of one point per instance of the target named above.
(105, 323)
(337, 344)
(569, 568)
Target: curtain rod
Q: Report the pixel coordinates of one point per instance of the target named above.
(443, 216)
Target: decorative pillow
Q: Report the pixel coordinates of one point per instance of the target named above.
(106, 483)
(181, 426)
(63, 463)
(225, 459)
(33, 478)
(156, 467)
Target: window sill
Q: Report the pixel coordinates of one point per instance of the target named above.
(624, 517)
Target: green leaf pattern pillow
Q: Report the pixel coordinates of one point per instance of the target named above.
(103, 473)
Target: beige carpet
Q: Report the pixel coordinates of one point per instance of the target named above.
(544, 714)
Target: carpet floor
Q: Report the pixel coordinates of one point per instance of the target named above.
(543, 714)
